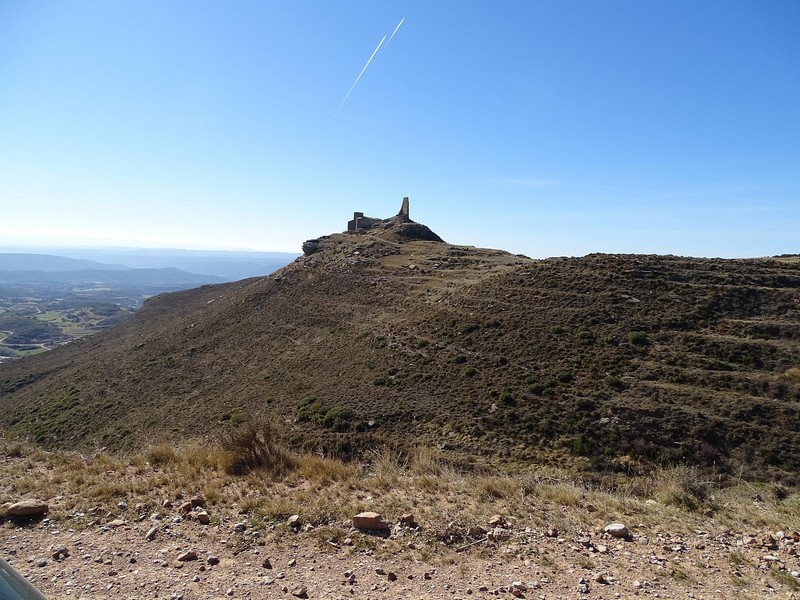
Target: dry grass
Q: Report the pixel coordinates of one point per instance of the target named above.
(683, 486)
(254, 445)
(326, 492)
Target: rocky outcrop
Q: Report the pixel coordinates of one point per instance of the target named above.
(312, 246)
(417, 231)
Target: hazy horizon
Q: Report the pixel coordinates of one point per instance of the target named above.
(21, 247)
(232, 251)
(542, 128)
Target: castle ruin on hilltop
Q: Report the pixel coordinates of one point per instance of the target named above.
(399, 228)
(362, 223)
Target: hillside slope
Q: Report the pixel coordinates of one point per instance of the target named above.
(606, 361)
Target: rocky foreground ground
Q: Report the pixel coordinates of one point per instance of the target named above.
(180, 553)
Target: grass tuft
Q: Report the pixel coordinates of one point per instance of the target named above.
(161, 455)
(255, 446)
(682, 486)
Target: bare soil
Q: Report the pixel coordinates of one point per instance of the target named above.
(117, 562)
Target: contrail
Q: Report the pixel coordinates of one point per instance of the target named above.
(359, 75)
(395, 29)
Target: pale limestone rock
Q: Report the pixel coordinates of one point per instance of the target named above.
(27, 508)
(497, 521)
(370, 520)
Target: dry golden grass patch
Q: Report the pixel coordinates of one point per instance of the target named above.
(327, 492)
(322, 471)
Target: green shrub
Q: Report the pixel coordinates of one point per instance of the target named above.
(580, 445)
(238, 417)
(638, 338)
(338, 418)
(310, 409)
(537, 389)
(468, 328)
(565, 376)
(507, 398)
(470, 372)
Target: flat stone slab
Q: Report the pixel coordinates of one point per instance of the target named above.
(370, 520)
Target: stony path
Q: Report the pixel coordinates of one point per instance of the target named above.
(112, 557)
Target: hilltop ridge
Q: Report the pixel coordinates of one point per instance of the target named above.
(610, 362)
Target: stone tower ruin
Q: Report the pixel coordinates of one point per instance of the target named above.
(403, 214)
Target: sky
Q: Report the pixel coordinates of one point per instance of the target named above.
(542, 127)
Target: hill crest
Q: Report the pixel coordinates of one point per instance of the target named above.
(603, 362)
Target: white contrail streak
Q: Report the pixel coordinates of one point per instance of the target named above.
(350, 91)
(395, 29)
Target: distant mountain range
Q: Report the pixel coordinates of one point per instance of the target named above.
(48, 263)
(48, 269)
(224, 266)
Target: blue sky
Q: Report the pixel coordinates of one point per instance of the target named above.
(540, 127)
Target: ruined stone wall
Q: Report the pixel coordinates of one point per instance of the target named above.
(362, 223)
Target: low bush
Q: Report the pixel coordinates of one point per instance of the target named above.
(255, 446)
(335, 418)
(508, 399)
(338, 418)
(467, 328)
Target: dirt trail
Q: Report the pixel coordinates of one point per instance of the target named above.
(112, 558)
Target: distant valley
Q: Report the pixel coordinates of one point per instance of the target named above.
(49, 297)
